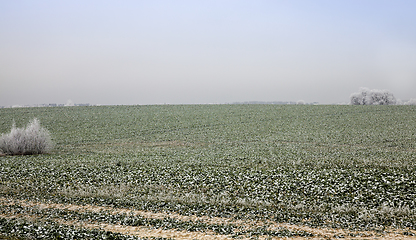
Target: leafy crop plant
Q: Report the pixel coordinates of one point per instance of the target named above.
(33, 139)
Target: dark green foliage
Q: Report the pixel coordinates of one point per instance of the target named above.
(14, 229)
(336, 166)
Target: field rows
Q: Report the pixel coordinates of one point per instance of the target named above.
(125, 221)
(345, 168)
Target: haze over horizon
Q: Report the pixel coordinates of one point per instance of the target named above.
(184, 52)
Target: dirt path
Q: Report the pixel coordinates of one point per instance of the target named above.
(142, 231)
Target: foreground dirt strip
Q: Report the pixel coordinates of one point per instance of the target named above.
(132, 231)
(148, 232)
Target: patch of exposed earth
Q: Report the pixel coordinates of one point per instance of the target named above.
(145, 231)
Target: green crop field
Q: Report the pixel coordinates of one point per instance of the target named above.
(338, 167)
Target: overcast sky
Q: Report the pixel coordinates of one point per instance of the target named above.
(151, 52)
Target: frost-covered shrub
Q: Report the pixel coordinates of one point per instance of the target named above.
(411, 102)
(33, 139)
(366, 96)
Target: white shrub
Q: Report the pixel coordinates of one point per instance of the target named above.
(411, 102)
(366, 96)
(33, 139)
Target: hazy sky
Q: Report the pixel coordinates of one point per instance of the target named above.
(150, 52)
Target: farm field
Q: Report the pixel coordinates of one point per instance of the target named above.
(213, 172)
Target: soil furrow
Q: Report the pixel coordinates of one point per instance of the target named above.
(142, 231)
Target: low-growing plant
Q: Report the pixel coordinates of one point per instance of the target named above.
(321, 166)
(33, 139)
